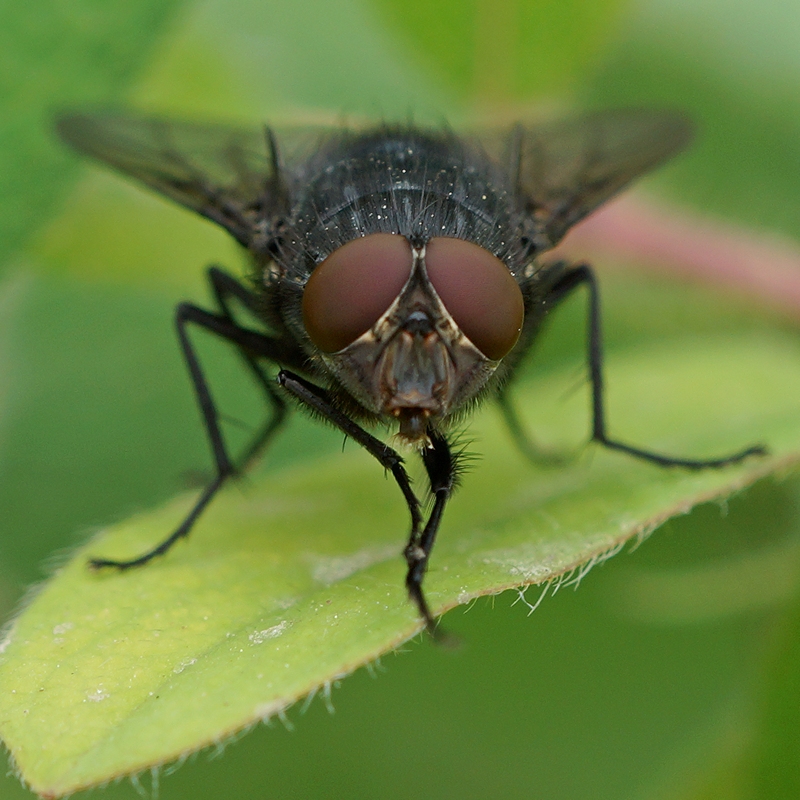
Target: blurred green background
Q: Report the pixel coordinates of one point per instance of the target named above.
(671, 673)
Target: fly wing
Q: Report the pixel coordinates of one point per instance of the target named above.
(235, 177)
(568, 169)
(563, 170)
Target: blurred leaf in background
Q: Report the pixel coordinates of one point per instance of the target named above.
(54, 55)
(495, 54)
(601, 693)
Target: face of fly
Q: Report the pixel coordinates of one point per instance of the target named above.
(415, 364)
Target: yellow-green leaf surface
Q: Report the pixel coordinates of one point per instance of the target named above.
(296, 579)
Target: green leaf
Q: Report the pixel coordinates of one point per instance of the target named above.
(295, 580)
(656, 65)
(56, 54)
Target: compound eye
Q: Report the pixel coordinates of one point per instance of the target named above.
(479, 292)
(352, 288)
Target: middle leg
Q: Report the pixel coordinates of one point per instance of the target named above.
(584, 275)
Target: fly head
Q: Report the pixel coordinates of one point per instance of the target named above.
(412, 331)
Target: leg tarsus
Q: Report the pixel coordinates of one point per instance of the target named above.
(539, 456)
(686, 463)
(180, 532)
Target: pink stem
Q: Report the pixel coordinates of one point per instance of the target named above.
(762, 266)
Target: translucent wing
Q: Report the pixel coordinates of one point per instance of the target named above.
(564, 170)
(234, 177)
(240, 178)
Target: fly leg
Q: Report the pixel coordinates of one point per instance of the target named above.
(536, 454)
(318, 401)
(251, 344)
(571, 279)
(441, 466)
(225, 287)
(537, 309)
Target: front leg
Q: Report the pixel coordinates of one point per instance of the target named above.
(318, 401)
(441, 465)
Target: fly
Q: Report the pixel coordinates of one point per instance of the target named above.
(396, 273)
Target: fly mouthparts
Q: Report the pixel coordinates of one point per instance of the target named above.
(414, 425)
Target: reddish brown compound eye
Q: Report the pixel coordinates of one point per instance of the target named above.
(478, 291)
(350, 290)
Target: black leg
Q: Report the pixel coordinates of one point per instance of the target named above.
(525, 444)
(441, 466)
(572, 279)
(318, 401)
(251, 344)
(225, 287)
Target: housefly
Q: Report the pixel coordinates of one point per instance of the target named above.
(396, 273)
